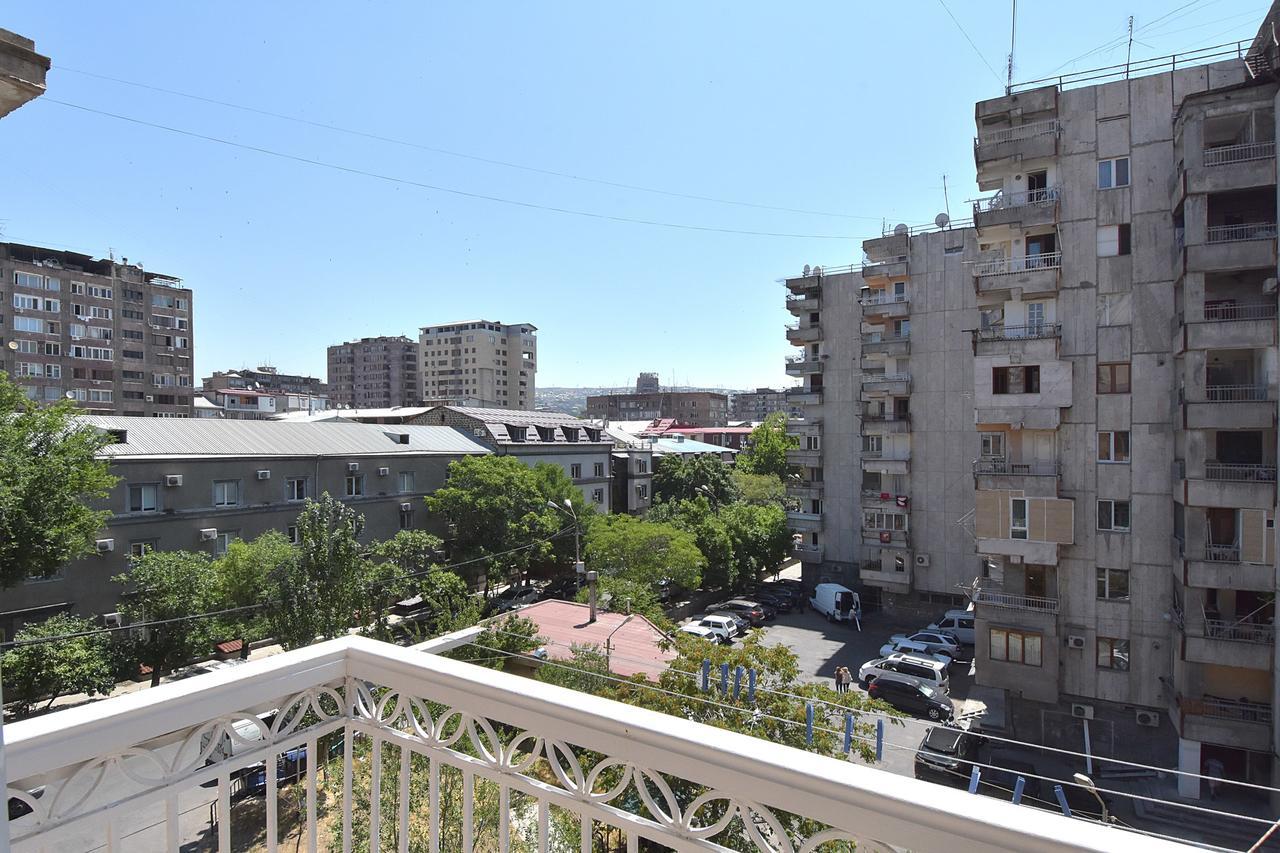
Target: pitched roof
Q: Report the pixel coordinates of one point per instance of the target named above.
(181, 438)
(518, 417)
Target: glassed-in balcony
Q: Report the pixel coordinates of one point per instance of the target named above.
(355, 743)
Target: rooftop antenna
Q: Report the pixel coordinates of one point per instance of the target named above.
(1013, 33)
(945, 199)
(1129, 53)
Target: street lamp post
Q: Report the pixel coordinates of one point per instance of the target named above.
(567, 508)
(1087, 783)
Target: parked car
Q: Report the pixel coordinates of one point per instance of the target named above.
(564, 587)
(705, 633)
(912, 697)
(511, 598)
(945, 754)
(907, 647)
(836, 602)
(908, 667)
(723, 627)
(958, 623)
(780, 602)
(754, 611)
(741, 623)
(935, 641)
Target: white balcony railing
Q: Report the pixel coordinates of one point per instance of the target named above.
(1037, 331)
(1239, 473)
(1239, 632)
(1227, 709)
(884, 299)
(873, 378)
(1015, 602)
(1221, 553)
(1010, 201)
(1012, 266)
(1226, 154)
(1029, 468)
(1236, 393)
(1022, 131)
(1240, 233)
(468, 758)
(1221, 312)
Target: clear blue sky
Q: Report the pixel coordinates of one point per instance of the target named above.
(841, 107)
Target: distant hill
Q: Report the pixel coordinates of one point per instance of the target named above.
(573, 401)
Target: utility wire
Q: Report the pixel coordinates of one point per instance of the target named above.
(351, 170)
(960, 27)
(435, 150)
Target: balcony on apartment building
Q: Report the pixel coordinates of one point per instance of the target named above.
(803, 364)
(805, 397)
(880, 305)
(879, 498)
(1225, 147)
(1229, 230)
(1232, 469)
(804, 487)
(1029, 140)
(888, 248)
(181, 766)
(1228, 389)
(885, 384)
(804, 520)
(1240, 723)
(886, 345)
(892, 572)
(1024, 208)
(1244, 644)
(886, 460)
(799, 302)
(803, 456)
(1034, 272)
(1034, 477)
(804, 331)
(1231, 549)
(987, 597)
(880, 270)
(808, 282)
(1235, 311)
(886, 538)
(1038, 340)
(885, 422)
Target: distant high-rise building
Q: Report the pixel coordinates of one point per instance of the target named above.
(262, 393)
(479, 363)
(374, 373)
(113, 337)
(647, 383)
(759, 404)
(691, 408)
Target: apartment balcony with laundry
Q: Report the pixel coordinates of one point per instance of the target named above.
(1233, 230)
(1232, 469)
(1226, 145)
(885, 304)
(883, 490)
(1229, 309)
(275, 754)
(1032, 268)
(1222, 624)
(1036, 205)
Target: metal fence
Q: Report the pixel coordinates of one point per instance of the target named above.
(1221, 553)
(1036, 331)
(1023, 198)
(1035, 468)
(1236, 393)
(1022, 131)
(1240, 233)
(1226, 154)
(1015, 602)
(1240, 632)
(1026, 263)
(1225, 311)
(1239, 473)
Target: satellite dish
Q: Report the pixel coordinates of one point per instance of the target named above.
(901, 230)
(13, 345)
(942, 220)
(806, 269)
(70, 395)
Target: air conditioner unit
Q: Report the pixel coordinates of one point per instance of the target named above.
(264, 474)
(1014, 559)
(922, 560)
(105, 545)
(1075, 641)
(208, 534)
(112, 620)
(406, 507)
(150, 399)
(1147, 718)
(352, 467)
(382, 472)
(1082, 712)
(172, 479)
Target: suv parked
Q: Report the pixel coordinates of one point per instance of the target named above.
(723, 626)
(912, 697)
(753, 610)
(958, 623)
(907, 647)
(945, 754)
(741, 624)
(906, 667)
(935, 641)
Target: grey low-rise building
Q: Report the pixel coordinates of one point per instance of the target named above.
(197, 485)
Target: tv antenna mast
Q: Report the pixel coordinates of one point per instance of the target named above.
(1013, 33)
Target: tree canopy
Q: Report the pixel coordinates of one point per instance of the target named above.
(171, 585)
(684, 478)
(51, 476)
(643, 551)
(36, 673)
(767, 446)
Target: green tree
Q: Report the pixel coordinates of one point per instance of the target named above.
(409, 551)
(767, 446)
(326, 590)
(500, 643)
(621, 594)
(243, 580)
(697, 517)
(35, 673)
(684, 478)
(643, 551)
(762, 489)
(760, 537)
(51, 477)
(170, 585)
(497, 505)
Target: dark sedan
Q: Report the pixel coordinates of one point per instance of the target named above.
(917, 699)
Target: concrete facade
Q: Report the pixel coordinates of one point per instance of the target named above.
(263, 393)
(22, 71)
(479, 363)
(690, 408)
(113, 337)
(374, 373)
(759, 404)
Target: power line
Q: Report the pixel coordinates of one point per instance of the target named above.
(960, 27)
(436, 150)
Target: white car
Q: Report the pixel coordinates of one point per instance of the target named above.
(926, 671)
(935, 641)
(723, 627)
(702, 632)
(907, 647)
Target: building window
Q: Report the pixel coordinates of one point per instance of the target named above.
(873, 444)
(355, 485)
(224, 540)
(1113, 654)
(295, 489)
(642, 491)
(1015, 380)
(139, 547)
(642, 466)
(597, 495)
(1113, 378)
(575, 471)
(1015, 646)
(406, 482)
(406, 519)
(292, 532)
(1113, 516)
(1017, 518)
(1113, 584)
(144, 497)
(1113, 173)
(226, 492)
(992, 445)
(1113, 446)
(1113, 240)
(599, 469)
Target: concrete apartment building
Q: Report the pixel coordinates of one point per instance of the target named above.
(691, 408)
(374, 373)
(1091, 368)
(22, 71)
(479, 363)
(197, 485)
(582, 449)
(759, 404)
(114, 337)
(263, 393)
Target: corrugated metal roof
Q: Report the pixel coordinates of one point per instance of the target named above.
(519, 417)
(195, 438)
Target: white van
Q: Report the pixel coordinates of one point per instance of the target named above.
(836, 602)
(958, 623)
(723, 627)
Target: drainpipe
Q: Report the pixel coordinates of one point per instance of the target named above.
(591, 594)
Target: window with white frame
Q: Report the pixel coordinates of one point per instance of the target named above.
(53, 306)
(28, 279)
(993, 445)
(54, 371)
(1113, 516)
(1113, 240)
(406, 482)
(598, 469)
(77, 288)
(292, 533)
(26, 303)
(226, 492)
(295, 489)
(1113, 446)
(144, 497)
(1113, 173)
(29, 324)
(355, 485)
(1017, 518)
(99, 291)
(880, 520)
(224, 540)
(140, 547)
(597, 495)
(28, 347)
